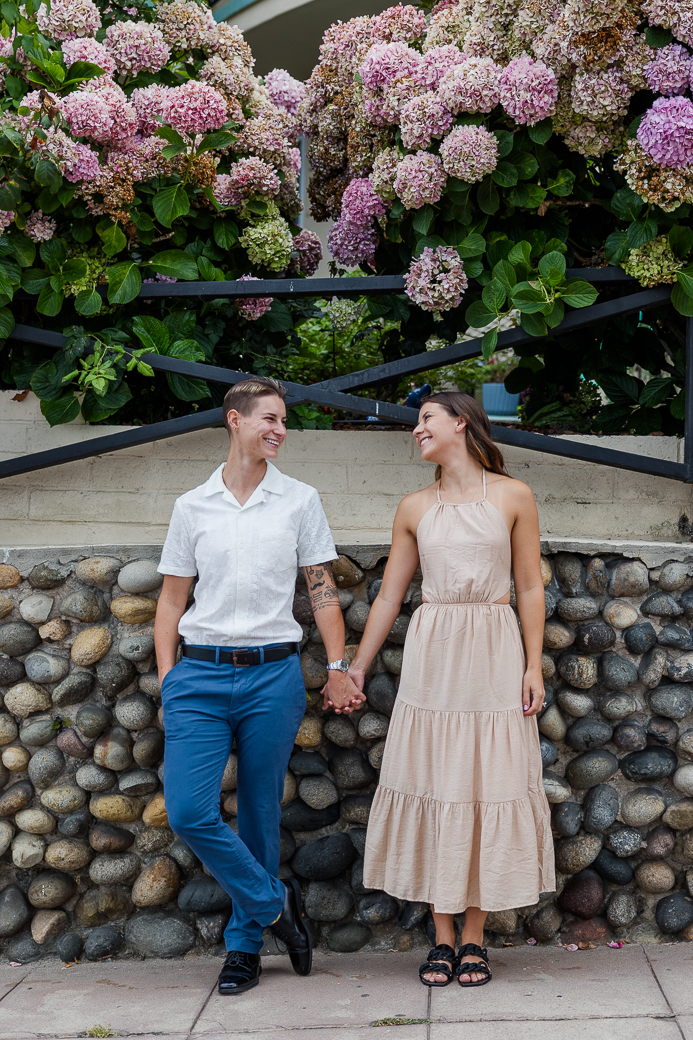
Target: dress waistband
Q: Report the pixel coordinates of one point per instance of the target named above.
(462, 603)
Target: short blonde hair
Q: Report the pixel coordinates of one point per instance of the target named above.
(243, 395)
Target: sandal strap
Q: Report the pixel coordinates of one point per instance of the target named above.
(464, 969)
(442, 952)
(437, 959)
(436, 967)
(472, 948)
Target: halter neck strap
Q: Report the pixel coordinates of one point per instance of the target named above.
(483, 477)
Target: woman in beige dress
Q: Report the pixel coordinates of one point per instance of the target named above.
(460, 819)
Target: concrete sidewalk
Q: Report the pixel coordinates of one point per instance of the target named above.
(635, 993)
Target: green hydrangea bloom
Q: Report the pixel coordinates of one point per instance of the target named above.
(97, 265)
(268, 243)
(653, 263)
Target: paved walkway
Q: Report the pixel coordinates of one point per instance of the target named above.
(635, 993)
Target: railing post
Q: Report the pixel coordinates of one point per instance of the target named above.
(688, 404)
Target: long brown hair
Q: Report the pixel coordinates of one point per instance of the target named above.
(480, 443)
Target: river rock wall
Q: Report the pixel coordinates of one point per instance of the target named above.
(89, 867)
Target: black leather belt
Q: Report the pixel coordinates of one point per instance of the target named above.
(241, 658)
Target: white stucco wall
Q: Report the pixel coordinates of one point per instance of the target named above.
(126, 497)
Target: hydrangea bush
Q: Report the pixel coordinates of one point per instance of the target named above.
(487, 149)
(138, 146)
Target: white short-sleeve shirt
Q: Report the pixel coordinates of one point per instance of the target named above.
(246, 558)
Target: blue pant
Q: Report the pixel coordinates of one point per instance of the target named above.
(206, 705)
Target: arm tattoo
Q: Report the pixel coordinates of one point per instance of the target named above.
(321, 587)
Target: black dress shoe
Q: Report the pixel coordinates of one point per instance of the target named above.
(240, 972)
(293, 931)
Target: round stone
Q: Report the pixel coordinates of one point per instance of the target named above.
(328, 900)
(625, 842)
(675, 636)
(622, 909)
(92, 719)
(392, 659)
(308, 763)
(629, 736)
(11, 671)
(663, 731)
(612, 868)
(14, 912)
(149, 747)
(578, 670)
(679, 815)
(596, 577)
(579, 608)
(92, 777)
(591, 768)
(550, 601)
(357, 615)
(138, 781)
(116, 808)
(617, 706)
(325, 858)
(313, 669)
(549, 751)
(567, 818)
(687, 603)
(660, 843)
(27, 850)
(23, 950)
(159, 935)
(672, 701)
(6, 606)
(348, 937)
(594, 637)
(351, 769)
(556, 789)
(157, 884)
(674, 913)
(673, 576)
(136, 648)
(655, 876)
(99, 571)
(356, 808)
(55, 631)
(114, 868)
(545, 923)
(8, 729)
(65, 798)
(398, 632)
(153, 839)
(546, 572)
(68, 854)
(148, 683)
(6, 835)
(346, 573)
(140, 576)
(600, 808)
(373, 726)
(552, 724)
(16, 797)
(588, 733)
(26, 698)
(568, 568)
(73, 689)
(69, 947)
(575, 854)
(381, 692)
(575, 702)
(548, 667)
(104, 838)
(48, 575)
(377, 907)
(582, 895)
(297, 816)
(114, 674)
(102, 942)
(203, 895)
(661, 604)
(652, 763)
(51, 889)
(557, 635)
(681, 670)
(83, 605)
(340, 731)
(685, 744)
(90, 645)
(641, 807)
(36, 609)
(318, 791)
(619, 614)
(375, 754)
(619, 672)
(35, 821)
(154, 814)
(629, 578)
(135, 711)
(134, 610)
(229, 777)
(640, 638)
(113, 749)
(683, 779)
(501, 922)
(15, 758)
(69, 741)
(9, 576)
(76, 824)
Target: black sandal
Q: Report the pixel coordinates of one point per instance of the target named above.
(468, 967)
(436, 962)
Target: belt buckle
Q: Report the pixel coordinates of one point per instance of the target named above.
(236, 663)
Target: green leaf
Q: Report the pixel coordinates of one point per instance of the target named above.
(23, 250)
(48, 175)
(170, 135)
(88, 302)
(6, 322)
(10, 195)
(124, 282)
(143, 221)
(33, 280)
(278, 318)
(471, 245)
(504, 273)
(505, 142)
(681, 241)
(616, 247)
(678, 406)
(619, 387)
(152, 333)
(556, 315)
(206, 268)
(62, 410)
(534, 324)
(96, 408)
(186, 350)
(656, 391)
(527, 299)
(626, 204)
(541, 132)
(53, 252)
(10, 12)
(505, 174)
(682, 301)
(112, 237)
(685, 279)
(478, 315)
(525, 164)
(423, 218)
(80, 70)
(170, 151)
(535, 195)
(225, 233)
(187, 388)
(640, 232)
(578, 293)
(520, 253)
(551, 261)
(519, 195)
(175, 263)
(170, 203)
(562, 183)
(493, 295)
(74, 270)
(46, 382)
(220, 139)
(49, 301)
(657, 37)
(489, 342)
(257, 206)
(487, 197)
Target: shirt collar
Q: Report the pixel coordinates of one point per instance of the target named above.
(272, 482)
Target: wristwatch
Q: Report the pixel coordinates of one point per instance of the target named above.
(338, 666)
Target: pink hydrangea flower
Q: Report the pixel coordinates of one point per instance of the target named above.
(528, 90)
(148, 103)
(85, 49)
(252, 307)
(666, 132)
(194, 108)
(137, 47)
(470, 153)
(669, 72)
(249, 178)
(101, 113)
(676, 15)
(600, 95)
(386, 62)
(422, 119)
(436, 281)
(39, 228)
(67, 19)
(186, 25)
(309, 248)
(360, 203)
(77, 162)
(473, 86)
(399, 23)
(6, 218)
(420, 179)
(352, 244)
(436, 62)
(285, 91)
(384, 172)
(139, 157)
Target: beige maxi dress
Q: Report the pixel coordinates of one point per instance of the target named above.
(460, 817)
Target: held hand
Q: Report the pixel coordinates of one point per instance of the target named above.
(357, 676)
(532, 691)
(340, 693)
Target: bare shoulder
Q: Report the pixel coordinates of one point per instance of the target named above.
(412, 507)
(515, 495)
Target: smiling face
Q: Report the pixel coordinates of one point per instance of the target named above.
(263, 430)
(438, 433)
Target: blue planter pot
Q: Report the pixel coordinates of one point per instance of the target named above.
(497, 400)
